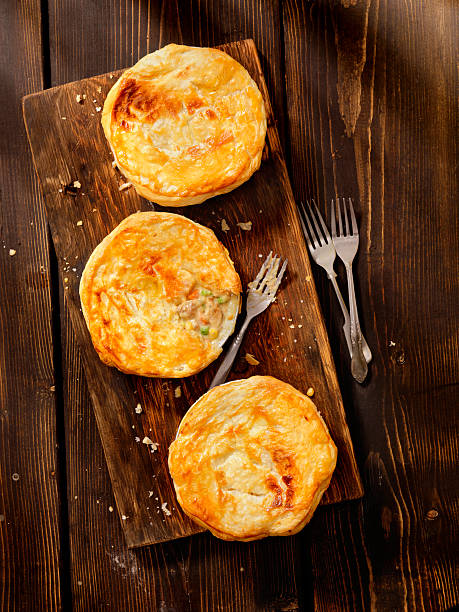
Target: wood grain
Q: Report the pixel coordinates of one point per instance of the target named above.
(85, 157)
(29, 498)
(204, 573)
(371, 98)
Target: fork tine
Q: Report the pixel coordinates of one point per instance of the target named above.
(345, 217)
(264, 265)
(303, 225)
(340, 222)
(333, 218)
(269, 277)
(274, 289)
(355, 229)
(322, 240)
(315, 241)
(322, 222)
(266, 275)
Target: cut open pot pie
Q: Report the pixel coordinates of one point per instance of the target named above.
(185, 124)
(160, 296)
(252, 458)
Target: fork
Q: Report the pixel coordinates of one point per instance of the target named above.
(346, 245)
(320, 245)
(260, 293)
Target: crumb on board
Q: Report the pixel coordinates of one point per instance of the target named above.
(124, 186)
(138, 409)
(77, 184)
(52, 388)
(300, 326)
(110, 508)
(391, 343)
(178, 391)
(99, 89)
(137, 439)
(123, 517)
(247, 226)
(12, 252)
(150, 493)
(153, 445)
(251, 359)
(80, 222)
(98, 109)
(225, 226)
(292, 326)
(310, 392)
(165, 509)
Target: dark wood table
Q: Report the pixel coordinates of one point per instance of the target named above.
(365, 97)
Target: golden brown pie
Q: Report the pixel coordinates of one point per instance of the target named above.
(185, 124)
(252, 458)
(160, 296)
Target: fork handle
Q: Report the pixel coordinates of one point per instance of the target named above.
(359, 367)
(347, 321)
(347, 324)
(226, 364)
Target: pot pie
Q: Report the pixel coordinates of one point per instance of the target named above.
(185, 124)
(252, 458)
(160, 296)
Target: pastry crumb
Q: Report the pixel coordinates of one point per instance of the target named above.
(98, 109)
(247, 226)
(12, 252)
(137, 439)
(123, 517)
(77, 184)
(165, 509)
(150, 493)
(300, 326)
(292, 326)
(225, 226)
(154, 445)
(124, 186)
(138, 409)
(251, 359)
(99, 89)
(52, 388)
(80, 222)
(178, 391)
(110, 508)
(310, 392)
(391, 343)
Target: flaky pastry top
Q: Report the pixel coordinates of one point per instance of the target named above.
(185, 124)
(160, 295)
(252, 458)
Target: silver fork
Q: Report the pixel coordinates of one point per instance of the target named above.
(260, 293)
(346, 245)
(320, 245)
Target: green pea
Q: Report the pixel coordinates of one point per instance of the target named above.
(205, 331)
(206, 292)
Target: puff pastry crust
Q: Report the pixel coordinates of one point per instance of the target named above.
(185, 124)
(252, 458)
(160, 295)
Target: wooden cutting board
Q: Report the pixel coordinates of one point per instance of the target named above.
(289, 339)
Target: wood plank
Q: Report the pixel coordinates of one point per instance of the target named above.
(371, 90)
(77, 152)
(205, 577)
(29, 497)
